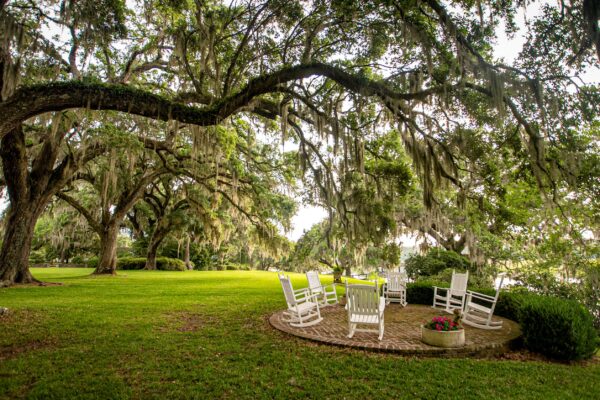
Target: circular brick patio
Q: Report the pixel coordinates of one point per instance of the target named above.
(402, 333)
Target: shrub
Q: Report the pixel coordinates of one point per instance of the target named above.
(435, 261)
(421, 292)
(232, 266)
(37, 256)
(162, 263)
(78, 259)
(131, 263)
(558, 328)
(92, 262)
(509, 303)
(169, 264)
(586, 291)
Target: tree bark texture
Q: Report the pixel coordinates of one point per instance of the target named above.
(188, 263)
(14, 256)
(155, 241)
(107, 261)
(24, 210)
(163, 227)
(30, 188)
(34, 100)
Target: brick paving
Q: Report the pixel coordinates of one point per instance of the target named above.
(402, 333)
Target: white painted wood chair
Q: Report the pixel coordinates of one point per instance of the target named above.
(479, 309)
(303, 307)
(453, 297)
(365, 307)
(326, 294)
(394, 289)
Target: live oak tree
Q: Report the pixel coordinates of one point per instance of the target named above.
(113, 184)
(167, 205)
(38, 160)
(337, 69)
(234, 185)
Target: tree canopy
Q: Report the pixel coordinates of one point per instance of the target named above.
(359, 90)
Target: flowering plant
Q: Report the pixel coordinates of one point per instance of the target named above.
(444, 324)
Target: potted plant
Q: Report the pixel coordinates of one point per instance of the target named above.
(444, 331)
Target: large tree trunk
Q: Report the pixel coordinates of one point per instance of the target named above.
(107, 262)
(188, 264)
(151, 258)
(14, 256)
(25, 208)
(157, 238)
(152, 250)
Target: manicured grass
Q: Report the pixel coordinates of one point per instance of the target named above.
(205, 335)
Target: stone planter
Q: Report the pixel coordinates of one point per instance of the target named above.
(443, 339)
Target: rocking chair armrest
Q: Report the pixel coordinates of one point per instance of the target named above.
(315, 289)
(381, 306)
(301, 293)
(435, 288)
(480, 296)
(312, 296)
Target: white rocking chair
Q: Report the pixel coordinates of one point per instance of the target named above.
(365, 307)
(395, 288)
(480, 308)
(303, 307)
(325, 293)
(453, 297)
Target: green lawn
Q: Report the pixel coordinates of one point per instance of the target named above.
(205, 335)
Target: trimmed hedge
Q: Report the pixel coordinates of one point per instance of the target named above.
(230, 266)
(169, 264)
(132, 263)
(162, 263)
(557, 328)
(421, 292)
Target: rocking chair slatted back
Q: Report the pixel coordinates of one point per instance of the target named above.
(395, 288)
(288, 290)
(502, 276)
(396, 281)
(302, 310)
(363, 299)
(454, 297)
(314, 283)
(480, 308)
(458, 284)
